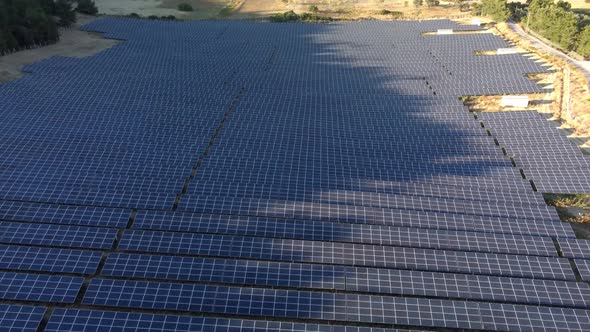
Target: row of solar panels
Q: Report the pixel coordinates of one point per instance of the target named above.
(482, 316)
(547, 157)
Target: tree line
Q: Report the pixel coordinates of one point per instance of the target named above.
(552, 20)
(24, 23)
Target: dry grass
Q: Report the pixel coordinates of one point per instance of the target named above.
(573, 208)
(583, 219)
(203, 9)
(363, 9)
(581, 201)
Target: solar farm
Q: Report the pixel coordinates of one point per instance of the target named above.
(242, 176)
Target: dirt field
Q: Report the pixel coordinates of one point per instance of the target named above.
(203, 9)
(73, 42)
(258, 8)
(346, 9)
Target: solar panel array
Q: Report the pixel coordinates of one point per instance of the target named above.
(241, 176)
(544, 153)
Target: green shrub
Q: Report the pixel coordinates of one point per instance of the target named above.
(517, 11)
(418, 3)
(583, 47)
(394, 14)
(134, 15)
(185, 7)
(497, 9)
(87, 7)
(291, 16)
(153, 17)
(313, 9)
(65, 13)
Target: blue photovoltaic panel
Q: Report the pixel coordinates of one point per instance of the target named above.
(320, 211)
(422, 189)
(330, 306)
(575, 248)
(584, 268)
(48, 259)
(56, 235)
(38, 287)
(107, 321)
(317, 276)
(230, 271)
(476, 287)
(18, 318)
(61, 214)
(427, 220)
(340, 232)
(266, 302)
(347, 254)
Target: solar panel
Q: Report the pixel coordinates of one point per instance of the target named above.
(575, 248)
(56, 235)
(346, 254)
(266, 302)
(38, 287)
(340, 232)
(18, 318)
(329, 306)
(584, 268)
(62, 214)
(342, 278)
(229, 271)
(96, 320)
(48, 259)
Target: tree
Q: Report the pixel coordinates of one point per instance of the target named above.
(563, 4)
(583, 47)
(87, 7)
(497, 9)
(63, 10)
(418, 3)
(28, 22)
(185, 7)
(554, 22)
